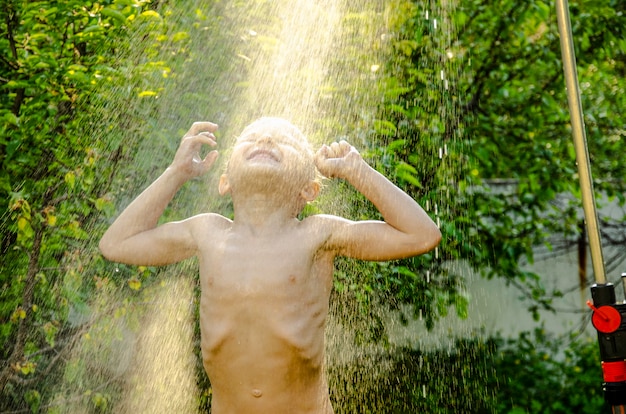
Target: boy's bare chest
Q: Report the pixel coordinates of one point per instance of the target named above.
(263, 264)
(270, 293)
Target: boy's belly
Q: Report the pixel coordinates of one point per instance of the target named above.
(256, 386)
(257, 365)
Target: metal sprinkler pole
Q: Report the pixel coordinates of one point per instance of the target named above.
(608, 317)
(580, 140)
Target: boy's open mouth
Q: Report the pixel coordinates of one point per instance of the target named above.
(263, 154)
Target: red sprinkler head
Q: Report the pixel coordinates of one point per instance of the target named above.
(605, 319)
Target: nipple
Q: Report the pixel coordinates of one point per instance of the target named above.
(257, 393)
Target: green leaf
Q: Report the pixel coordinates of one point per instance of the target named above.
(407, 173)
(114, 14)
(151, 14)
(384, 127)
(10, 118)
(33, 398)
(91, 29)
(70, 179)
(101, 203)
(144, 94)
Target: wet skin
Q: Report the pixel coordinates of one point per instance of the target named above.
(266, 276)
(266, 287)
(262, 314)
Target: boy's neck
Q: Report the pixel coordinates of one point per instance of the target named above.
(263, 212)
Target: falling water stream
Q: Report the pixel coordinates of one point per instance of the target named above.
(317, 63)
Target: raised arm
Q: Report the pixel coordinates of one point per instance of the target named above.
(134, 237)
(406, 230)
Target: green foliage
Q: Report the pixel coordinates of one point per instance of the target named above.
(416, 139)
(520, 135)
(534, 373)
(539, 374)
(475, 125)
(412, 381)
(58, 154)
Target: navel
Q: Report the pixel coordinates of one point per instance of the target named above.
(256, 393)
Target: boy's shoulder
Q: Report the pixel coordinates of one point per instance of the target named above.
(325, 230)
(321, 219)
(213, 220)
(325, 223)
(327, 218)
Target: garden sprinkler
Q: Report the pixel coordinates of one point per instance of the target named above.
(609, 317)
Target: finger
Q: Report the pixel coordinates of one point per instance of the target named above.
(210, 158)
(212, 139)
(202, 138)
(342, 149)
(198, 127)
(345, 146)
(321, 153)
(335, 150)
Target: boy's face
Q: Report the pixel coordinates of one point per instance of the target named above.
(273, 143)
(272, 148)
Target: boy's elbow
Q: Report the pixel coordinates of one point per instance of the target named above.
(436, 234)
(103, 246)
(107, 249)
(432, 240)
(436, 237)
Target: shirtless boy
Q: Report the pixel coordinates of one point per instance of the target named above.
(266, 276)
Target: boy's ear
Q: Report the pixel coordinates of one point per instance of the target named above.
(310, 191)
(224, 185)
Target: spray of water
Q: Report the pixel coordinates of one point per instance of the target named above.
(161, 374)
(317, 63)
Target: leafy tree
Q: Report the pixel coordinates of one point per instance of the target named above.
(502, 116)
(57, 167)
(538, 372)
(534, 373)
(485, 85)
(407, 380)
(520, 130)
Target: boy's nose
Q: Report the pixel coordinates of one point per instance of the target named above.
(265, 138)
